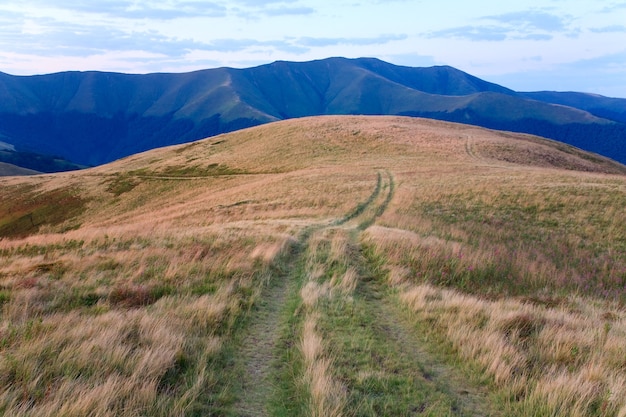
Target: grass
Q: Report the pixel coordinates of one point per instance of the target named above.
(542, 361)
(543, 234)
(26, 210)
(433, 260)
(158, 311)
(371, 374)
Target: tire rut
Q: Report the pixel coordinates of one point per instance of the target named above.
(366, 214)
(258, 346)
(468, 399)
(262, 339)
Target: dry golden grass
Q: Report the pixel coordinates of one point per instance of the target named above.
(120, 285)
(550, 361)
(327, 394)
(529, 230)
(118, 313)
(522, 270)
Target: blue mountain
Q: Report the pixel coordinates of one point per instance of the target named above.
(91, 118)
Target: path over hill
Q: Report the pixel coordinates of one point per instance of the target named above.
(334, 313)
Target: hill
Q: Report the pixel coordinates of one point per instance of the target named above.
(92, 118)
(334, 265)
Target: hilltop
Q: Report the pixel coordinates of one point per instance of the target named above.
(337, 265)
(91, 118)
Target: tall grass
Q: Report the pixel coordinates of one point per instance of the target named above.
(327, 394)
(547, 356)
(546, 361)
(521, 272)
(126, 325)
(523, 235)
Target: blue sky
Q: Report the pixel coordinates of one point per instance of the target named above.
(565, 45)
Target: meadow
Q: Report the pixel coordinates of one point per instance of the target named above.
(331, 266)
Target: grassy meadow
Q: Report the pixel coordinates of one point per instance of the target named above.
(331, 266)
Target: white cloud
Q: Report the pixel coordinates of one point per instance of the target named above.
(532, 20)
(318, 42)
(610, 29)
(531, 25)
(126, 9)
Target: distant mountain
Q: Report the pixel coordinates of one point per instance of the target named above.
(94, 117)
(606, 107)
(10, 170)
(36, 163)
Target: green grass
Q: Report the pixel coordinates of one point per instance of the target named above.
(290, 397)
(26, 212)
(121, 183)
(564, 227)
(381, 378)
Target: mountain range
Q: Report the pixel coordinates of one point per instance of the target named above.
(74, 119)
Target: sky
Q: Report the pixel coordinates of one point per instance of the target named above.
(563, 45)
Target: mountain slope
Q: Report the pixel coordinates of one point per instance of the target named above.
(37, 162)
(606, 107)
(93, 117)
(9, 170)
(335, 265)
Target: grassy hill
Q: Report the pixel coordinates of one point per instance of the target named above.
(327, 266)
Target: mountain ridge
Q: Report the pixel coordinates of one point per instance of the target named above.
(95, 117)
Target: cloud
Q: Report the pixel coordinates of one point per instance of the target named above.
(531, 21)
(255, 9)
(610, 29)
(268, 4)
(602, 75)
(126, 9)
(526, 25)
(54, 38)
(175, 9)
(263, 3)
(473, 33)
(237, 45)
(84, 40)
(534, 37)
(322, 42)
(288, 11)
(10, 21)
(614, 8)
(610, 63)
